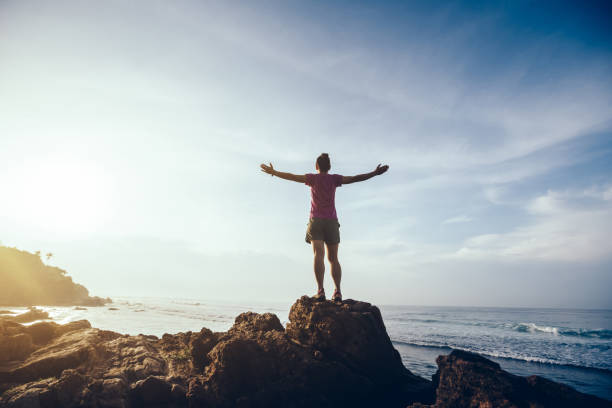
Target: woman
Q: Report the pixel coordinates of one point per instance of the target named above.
(323, 227)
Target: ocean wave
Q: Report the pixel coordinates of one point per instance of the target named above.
(405, 320)
(500, 354)
(497, 354)
(590, 333)
(533, 328)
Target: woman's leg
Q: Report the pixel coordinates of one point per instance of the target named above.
(319, 261)
(336, 270)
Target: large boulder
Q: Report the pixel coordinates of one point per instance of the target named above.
(354, 334)
(255, 364)
(330, 355)
(467, 380)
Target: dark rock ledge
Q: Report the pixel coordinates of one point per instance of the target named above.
(330, 355)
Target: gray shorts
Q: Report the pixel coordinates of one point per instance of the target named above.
(325, 229)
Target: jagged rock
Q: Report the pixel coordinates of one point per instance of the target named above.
(254, 322)
(256, 363)
(200, 345)
(353, 333)
(69, 387)
(132, 358)
(265, 368)
(466, 379)
(151, 391)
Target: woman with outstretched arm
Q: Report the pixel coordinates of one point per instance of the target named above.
(323, 227)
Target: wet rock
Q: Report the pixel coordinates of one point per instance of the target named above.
(466, 379)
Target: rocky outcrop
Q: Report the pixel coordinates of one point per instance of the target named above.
(466, 380)
(257, 363)
(330, 354)
(353, 334)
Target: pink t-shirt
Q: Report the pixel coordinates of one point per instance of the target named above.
(322, 193)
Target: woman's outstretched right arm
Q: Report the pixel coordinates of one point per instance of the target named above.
(287, 176)
(366, 176)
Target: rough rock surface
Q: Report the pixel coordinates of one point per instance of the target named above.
(466, 379)
(331, 354)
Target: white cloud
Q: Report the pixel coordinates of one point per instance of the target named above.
(458, 219)
(564, 229)
(549, 204)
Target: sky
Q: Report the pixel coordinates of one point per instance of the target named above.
(131, 134)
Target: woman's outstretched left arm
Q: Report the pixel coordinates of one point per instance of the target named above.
(300, 178)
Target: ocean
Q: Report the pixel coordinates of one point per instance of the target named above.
(570, 346)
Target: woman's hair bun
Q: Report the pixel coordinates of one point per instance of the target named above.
(323, 162)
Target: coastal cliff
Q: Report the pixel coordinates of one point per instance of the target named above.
(330, 354)
(25, 281)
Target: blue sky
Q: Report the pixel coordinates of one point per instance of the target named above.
(131, 134)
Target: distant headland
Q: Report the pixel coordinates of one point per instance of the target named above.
(25, 280)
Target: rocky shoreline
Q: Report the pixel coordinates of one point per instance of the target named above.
(330, 354)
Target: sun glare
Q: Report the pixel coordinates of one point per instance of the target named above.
(60, 197)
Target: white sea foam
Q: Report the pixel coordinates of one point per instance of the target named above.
(533, 328)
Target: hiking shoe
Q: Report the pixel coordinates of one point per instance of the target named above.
(320, 295)
(337, 296)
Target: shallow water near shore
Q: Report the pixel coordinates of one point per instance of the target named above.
(573, 347)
